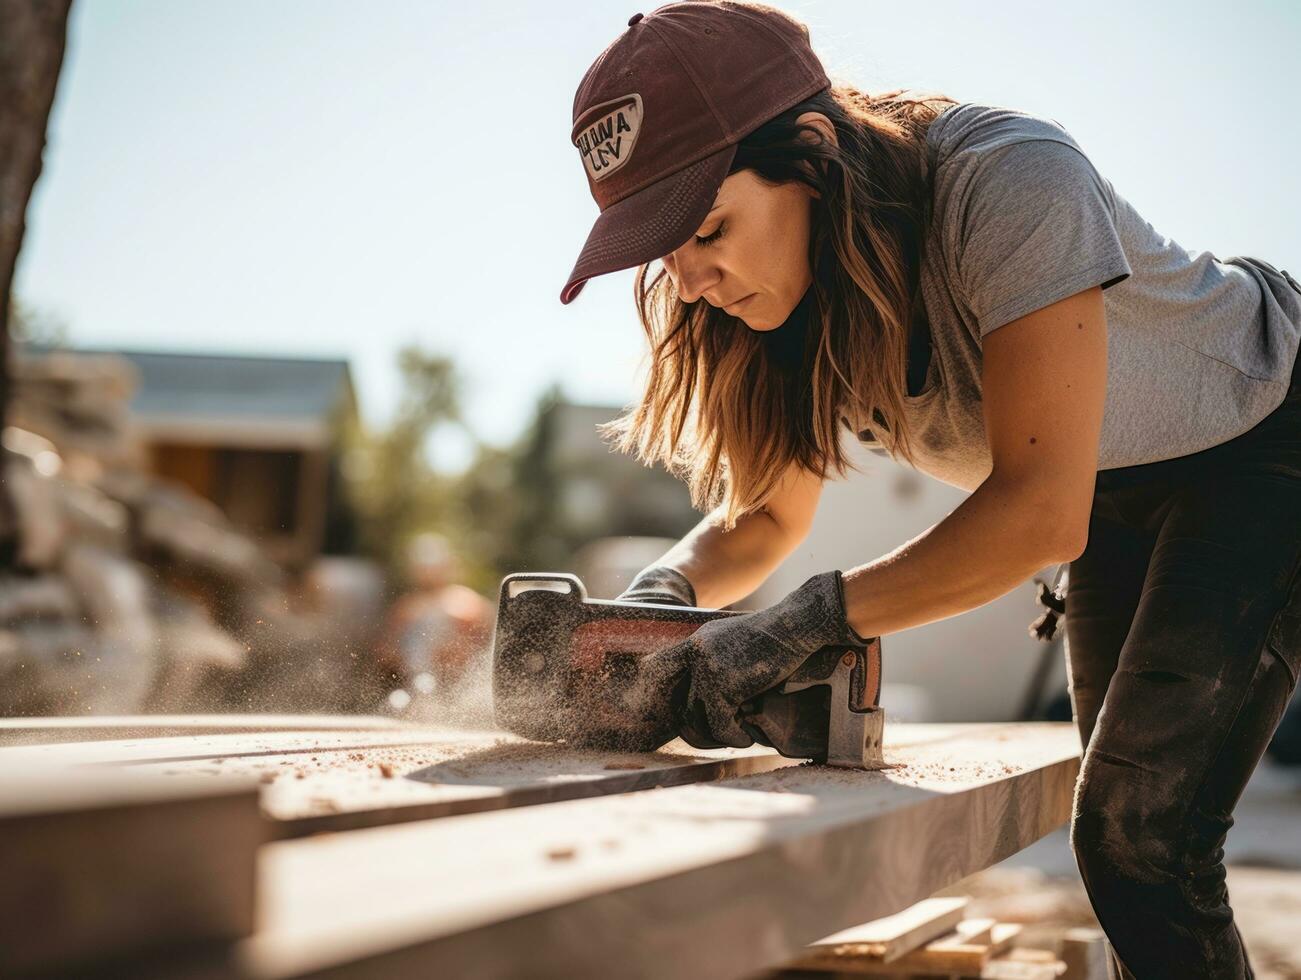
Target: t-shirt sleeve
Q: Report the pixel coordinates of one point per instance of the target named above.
(1037, 226)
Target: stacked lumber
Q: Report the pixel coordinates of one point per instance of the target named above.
(935, 938)
(475, 854)
(130, 594)
(80, 402)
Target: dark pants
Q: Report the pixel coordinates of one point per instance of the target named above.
(1183, 619)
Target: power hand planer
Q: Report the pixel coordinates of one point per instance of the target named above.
(561, 659)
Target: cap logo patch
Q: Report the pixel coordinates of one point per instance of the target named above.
(606, 134)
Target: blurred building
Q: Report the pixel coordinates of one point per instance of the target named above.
(257, 436)
(605, 491)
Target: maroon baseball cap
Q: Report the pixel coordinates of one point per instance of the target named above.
(658, 115)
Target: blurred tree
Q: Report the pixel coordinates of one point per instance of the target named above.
(534, 504)
(396, 492)
(510, 496)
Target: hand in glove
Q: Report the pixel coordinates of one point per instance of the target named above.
(660, 584)
(643, 716)
(732, 660)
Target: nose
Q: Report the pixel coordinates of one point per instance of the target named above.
(691, 272)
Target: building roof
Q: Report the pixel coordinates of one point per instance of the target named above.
(236, 400)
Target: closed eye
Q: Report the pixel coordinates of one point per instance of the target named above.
(712, 237)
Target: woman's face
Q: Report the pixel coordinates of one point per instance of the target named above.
(750, 256)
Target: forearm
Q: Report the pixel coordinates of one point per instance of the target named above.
(987, 546)
(724, 566)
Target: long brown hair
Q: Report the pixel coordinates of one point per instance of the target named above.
(727, 408)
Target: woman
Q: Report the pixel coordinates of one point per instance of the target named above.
(959, 286)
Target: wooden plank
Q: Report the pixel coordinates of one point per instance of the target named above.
(1014, 969)
(41, 731)
(963, 951)
(1084, 951)
(1002, 936)
(332, 780)
(715, 880)
(889, 938)
(98, 866)
(1024, 964)
(966, 951)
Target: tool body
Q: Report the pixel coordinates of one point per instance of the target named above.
(561, 659)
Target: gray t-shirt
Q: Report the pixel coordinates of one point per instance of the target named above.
(1199, 349)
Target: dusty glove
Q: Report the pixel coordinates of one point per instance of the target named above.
(732, 660)
(661, 584)
(645, 709)
(645, 713)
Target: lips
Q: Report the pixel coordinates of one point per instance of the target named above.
(744, 299)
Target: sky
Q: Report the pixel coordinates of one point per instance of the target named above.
(335, 179)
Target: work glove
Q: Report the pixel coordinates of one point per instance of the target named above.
(730, 661)
(660, 584)
(644, 708)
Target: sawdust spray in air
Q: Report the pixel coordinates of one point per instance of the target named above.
(469, 702)
(463, 703)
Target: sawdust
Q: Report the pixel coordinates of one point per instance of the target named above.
(622, 765)
(466, 704)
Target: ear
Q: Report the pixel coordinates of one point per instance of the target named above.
(821, 123)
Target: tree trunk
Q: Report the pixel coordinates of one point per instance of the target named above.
(32, 34)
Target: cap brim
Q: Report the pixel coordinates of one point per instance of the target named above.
(650, 223)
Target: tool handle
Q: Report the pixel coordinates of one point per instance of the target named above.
(511, 584)
(828, 710)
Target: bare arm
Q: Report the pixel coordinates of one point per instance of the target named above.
(1044, 386)
(724, 566)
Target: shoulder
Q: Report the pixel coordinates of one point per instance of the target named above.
(991, 160)
(968, 134)
(1023, 218)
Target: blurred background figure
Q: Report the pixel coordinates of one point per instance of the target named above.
(435, 639)
(343, 597)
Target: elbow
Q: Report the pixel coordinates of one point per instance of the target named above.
(1062, 539)
(1055, 522)
(799, 531)
(1072, 548)
(797, 534)
(1047, 546)
(789, 534)
(788, 538)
